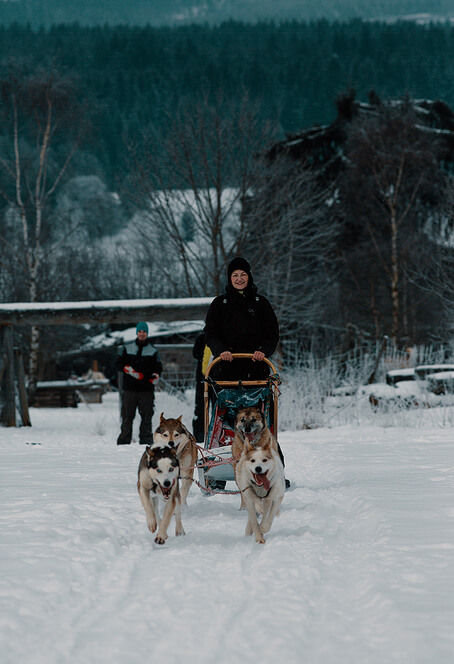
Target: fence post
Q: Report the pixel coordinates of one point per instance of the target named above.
(8, 383)
(22, 390)
(2, 364)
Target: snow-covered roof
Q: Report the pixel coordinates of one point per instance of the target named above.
(401, 372)
(155, 330)
(434, 368)
(79, 382)
(105, 304)
(441, 375)
(122, 312)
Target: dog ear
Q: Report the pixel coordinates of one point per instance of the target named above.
(247, 445)
(148, 451)
(162, 419)
(266, 443)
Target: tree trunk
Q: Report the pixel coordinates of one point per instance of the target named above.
(374, 311)
(394, 279)
(33, 363)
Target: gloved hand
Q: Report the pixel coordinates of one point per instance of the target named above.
(132, 372)
(154, 378)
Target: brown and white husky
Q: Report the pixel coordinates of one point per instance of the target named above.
(260, 477)
(172, 433)
(250, 426)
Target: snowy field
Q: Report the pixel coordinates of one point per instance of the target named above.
(357, 569)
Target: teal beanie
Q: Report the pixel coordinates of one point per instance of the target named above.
(142, 327)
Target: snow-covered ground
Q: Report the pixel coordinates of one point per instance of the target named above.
(357, 569)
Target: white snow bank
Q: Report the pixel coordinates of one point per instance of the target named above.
(357, 569)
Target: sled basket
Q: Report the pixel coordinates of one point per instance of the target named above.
(222, 400)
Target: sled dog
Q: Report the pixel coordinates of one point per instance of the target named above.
(250, 426)
(172, 433)
(159, 471)
(260, 478)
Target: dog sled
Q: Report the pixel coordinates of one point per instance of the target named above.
(222, 400)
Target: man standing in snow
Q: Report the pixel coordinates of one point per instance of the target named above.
(141, 367)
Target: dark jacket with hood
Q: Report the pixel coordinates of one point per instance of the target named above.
(144, 360)
(241, 322)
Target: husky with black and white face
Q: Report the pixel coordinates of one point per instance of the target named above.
(260, 478)
(159, 472)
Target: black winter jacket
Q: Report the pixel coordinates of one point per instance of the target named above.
(144, 360)
(241, 322)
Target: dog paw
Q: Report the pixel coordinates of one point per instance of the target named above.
(160, 540)
(152, 525)
(179, 532)
(260, 539)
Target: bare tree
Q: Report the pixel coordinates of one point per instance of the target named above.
(41, 132)
(391, 185)
(291, 241)
(189, 188)
(434, 266)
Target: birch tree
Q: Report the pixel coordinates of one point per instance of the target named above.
(391, 185)
(41, 130)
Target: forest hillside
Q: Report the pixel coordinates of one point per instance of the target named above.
(176, 12)
(131, 77)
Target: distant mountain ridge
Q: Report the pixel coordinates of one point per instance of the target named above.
(180, 12)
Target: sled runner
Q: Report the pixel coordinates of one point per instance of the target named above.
(222, 400)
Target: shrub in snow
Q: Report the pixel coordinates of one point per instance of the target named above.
(316, 391)
(322, 392)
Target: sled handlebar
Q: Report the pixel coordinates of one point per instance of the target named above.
(239, 356)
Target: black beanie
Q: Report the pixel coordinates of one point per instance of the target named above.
(239, 263)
